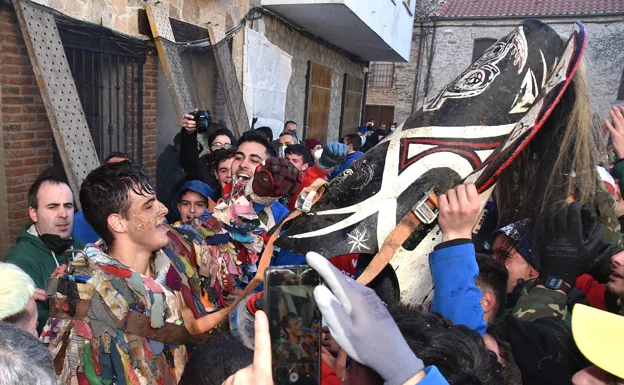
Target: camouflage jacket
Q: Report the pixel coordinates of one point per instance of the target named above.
(535, 303)
(605, 205)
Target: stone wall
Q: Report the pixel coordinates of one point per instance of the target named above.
(303, 49)
(26, 141)
(453, 53)
(454, 44)
(122, 15)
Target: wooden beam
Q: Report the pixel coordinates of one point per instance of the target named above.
(229, 81)
(170, 60)
(182, 31)
(58, 91)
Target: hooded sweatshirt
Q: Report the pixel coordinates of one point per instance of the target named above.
(32, 256)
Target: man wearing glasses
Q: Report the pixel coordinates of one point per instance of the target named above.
(203, 168)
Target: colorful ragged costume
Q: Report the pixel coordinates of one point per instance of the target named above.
(112, 325)
(226, 246)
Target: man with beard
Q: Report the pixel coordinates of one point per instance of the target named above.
(41, 244)
(122, 300)
(616, 279)
(606, 296)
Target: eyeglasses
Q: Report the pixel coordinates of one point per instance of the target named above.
(285, 144)
(219, 146)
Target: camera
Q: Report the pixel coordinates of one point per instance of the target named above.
(203, 120)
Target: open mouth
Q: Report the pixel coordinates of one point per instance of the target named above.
(242, 177)
(615, 275)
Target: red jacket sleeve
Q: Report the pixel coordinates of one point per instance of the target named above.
(328, 376)
(308, 177)
(594, 291)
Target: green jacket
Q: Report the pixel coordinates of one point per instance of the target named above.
(32, 256)
(541, 303)
(618, 173)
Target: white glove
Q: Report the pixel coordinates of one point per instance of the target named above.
(362, 325)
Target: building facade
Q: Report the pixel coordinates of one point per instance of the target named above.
(460, 30)
(123, 91)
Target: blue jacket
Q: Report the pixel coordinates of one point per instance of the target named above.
(433, 377)
(281, 257)
(83, 230)
(350, 159)
(454, 269)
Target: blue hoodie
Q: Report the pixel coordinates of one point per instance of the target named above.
(433, 377)
(350, 159)
(454, 269)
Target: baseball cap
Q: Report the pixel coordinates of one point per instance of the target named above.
(607, 179)
(599, 335)
(199, 187)
(16, 290)
(362, 129)
(519, 233)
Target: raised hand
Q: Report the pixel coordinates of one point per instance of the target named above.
(459, 209)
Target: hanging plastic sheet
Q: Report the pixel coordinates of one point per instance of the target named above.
(265, 82)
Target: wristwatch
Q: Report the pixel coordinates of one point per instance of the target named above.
(554, 283)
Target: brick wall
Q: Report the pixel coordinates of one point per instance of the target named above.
(150, 130)
(26, 134)
(26, 142)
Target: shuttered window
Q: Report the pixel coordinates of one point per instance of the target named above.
(352, 95)
(318, 101)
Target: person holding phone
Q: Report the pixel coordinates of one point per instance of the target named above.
(358, 320)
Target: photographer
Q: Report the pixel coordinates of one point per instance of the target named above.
(219, 137)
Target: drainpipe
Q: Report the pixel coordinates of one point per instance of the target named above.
(364, 95)
(431, 52)
(418, 68)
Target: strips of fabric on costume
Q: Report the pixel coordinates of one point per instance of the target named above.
(226, 244)
(471, 131)
(124, 328)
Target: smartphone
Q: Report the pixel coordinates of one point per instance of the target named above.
(295, 324)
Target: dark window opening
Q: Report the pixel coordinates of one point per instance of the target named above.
(480, 46)
(108, 72)
(620, 94)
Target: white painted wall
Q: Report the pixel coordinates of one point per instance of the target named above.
(391, 20)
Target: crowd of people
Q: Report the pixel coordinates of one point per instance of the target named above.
(117, 292)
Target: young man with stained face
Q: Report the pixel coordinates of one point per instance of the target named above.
(135, 288)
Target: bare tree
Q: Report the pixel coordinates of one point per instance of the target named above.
(425, 9)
